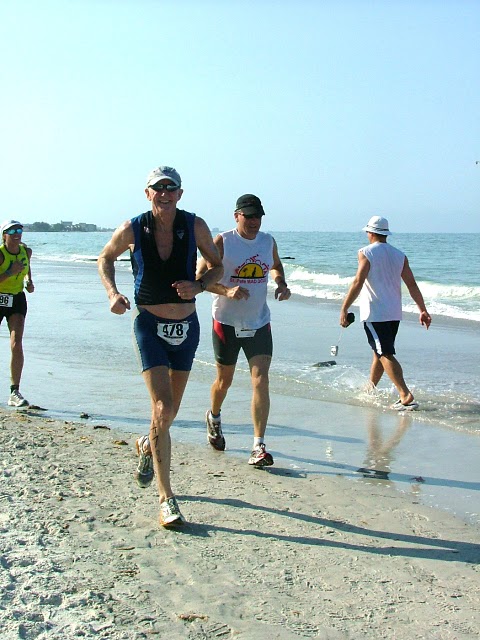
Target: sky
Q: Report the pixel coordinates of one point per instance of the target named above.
(329, 110)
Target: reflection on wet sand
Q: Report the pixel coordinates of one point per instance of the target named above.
(378, 457)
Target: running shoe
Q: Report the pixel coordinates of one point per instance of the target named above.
(17, 400)
(170, 515)
(260, 457)
(144, 473)
(411, 406)
(214, 432)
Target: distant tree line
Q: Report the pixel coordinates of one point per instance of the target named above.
(60, 226)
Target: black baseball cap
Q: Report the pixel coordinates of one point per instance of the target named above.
(250, 205)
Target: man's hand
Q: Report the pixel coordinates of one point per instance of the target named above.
(119, 304)
(282, 292)
(187, 289)
(29, 286)
(237, 293)
(343, 318)
(425, 319)
(15, 268)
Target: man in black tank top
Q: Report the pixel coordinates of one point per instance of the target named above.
(163, 246)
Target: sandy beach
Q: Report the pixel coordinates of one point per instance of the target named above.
(265, 553)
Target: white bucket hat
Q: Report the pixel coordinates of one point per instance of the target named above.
(377, 225)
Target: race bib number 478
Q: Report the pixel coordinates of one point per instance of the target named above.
(173, 332)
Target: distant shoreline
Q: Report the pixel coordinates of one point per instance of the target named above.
(26, 228)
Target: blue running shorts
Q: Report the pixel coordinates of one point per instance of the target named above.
(163, 342)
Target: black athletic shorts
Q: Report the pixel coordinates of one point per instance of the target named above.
(381, 336)
(19, 305)
(226, 345)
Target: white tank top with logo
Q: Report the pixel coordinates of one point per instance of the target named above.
(246, 263)
(381, 295)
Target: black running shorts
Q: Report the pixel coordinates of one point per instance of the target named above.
(381, 336)
(226, 344)
(19, 306)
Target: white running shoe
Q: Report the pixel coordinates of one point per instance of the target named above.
(214, 432)
(17, 400)
(170, 515)
(144, 473)
(260, 457)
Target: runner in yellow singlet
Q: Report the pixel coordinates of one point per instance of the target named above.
(15, 274)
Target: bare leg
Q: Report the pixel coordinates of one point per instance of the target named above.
(221, 385)
(395, 372)
(16, 324)
(376, 370)
(179, 381)
(259, 368)
(166, 392)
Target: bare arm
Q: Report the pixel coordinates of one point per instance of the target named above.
(212, 263)
(237, 292)
(29, 286)
(121, 240)
(282, 292)
(414, 291)
(355, 287)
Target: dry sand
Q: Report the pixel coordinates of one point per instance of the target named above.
(267, 554)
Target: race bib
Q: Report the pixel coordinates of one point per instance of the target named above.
(6, 300)
(245, 333)
(173, 332)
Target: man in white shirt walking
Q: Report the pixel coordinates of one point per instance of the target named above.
(381, 269)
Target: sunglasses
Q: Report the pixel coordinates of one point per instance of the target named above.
(257, 216)
(12, 232)
(164, 187)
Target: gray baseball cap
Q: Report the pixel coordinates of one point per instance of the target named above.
(160, 173)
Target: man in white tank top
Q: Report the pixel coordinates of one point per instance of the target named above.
(241, 318)
(381, 269)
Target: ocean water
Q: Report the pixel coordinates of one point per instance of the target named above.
(321, 265)
(79, 358)
(441, 365)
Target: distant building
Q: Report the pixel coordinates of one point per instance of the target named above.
(84, 226)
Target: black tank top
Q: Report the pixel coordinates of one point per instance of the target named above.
(153, 276)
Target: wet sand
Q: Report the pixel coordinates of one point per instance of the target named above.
(281, 553)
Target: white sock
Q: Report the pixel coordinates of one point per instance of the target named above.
(257, 442)
(146, 445)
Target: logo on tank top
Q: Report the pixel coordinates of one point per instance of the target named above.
(251, 271)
